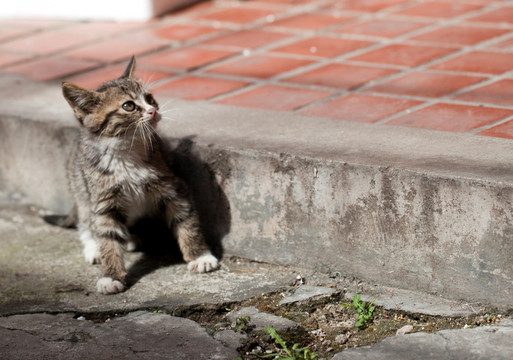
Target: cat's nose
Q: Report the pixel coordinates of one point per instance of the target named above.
(152, 112)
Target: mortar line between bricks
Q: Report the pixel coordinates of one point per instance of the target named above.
(92, 41)
(476, 131)
(426, 65)
(405, 112)
(241, 90)
(318, 60)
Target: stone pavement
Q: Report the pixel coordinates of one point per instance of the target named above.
(50, 309)
(493, 342)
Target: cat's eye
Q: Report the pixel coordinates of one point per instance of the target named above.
(129, 106)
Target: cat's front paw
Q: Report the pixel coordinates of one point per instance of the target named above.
(108, 286)
(204, 263)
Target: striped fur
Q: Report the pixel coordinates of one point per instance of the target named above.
(118, 174)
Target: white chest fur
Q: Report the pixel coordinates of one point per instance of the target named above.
(132, 174)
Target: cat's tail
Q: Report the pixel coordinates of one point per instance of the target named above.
(66, 221)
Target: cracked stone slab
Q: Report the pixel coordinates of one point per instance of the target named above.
(307, 292)
(139, 335)
(415, 303)
(260, 320)
(487, 342)
(42, 269)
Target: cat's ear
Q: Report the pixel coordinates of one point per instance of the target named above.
(130, 69)
(82, 101)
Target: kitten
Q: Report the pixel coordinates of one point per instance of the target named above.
(118, 174)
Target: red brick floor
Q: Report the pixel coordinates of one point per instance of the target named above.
(443, 65)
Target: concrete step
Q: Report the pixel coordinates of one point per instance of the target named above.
(402, 207)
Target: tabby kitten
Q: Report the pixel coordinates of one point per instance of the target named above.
(118, 174)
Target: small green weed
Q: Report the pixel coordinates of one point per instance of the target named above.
(242, 323)
(294, 353)
(365, 311)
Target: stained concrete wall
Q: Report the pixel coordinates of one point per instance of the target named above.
(440, 235)
(400, 207)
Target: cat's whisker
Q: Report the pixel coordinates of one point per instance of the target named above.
(133, 135)
(150, 140)
(165, 104)
(167, 111)
(143, 137)
(148, 83)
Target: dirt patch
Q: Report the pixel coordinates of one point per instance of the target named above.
(325, 326)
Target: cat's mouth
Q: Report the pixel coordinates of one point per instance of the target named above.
(155, 119)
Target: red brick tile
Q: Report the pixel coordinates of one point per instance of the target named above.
(311, 21)
(461, 35)
(500, 15)
(238, 15)
(360, 108)
(274, 97)
(178, 32)
(38, 24)
(115, 49)
(247, 39)
(440, 9)
(93, 79)
(197, 88)
(499, 92)
(382, 27)
(9, 32)
(322, 46)
(11, 58)
(259, 66)
(185, 58)
(449, 117)
(404, 55)
(479, 62)
(44, 43)
(51, 68)
(425, 84)
(366, 5)
(504, 130)
(340, 76)
(291, 2)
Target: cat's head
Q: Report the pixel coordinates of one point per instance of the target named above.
(114, 108)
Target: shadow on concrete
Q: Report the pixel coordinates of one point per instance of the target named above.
(207, 194)
(159, 247)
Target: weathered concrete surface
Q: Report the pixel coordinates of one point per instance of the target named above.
(396, 206)
(415, 302)
(487, 342)
(42, 269)
(306, 292)
(139, 335)
(260, 320)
